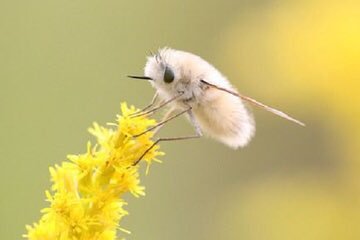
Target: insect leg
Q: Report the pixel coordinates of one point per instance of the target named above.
(160, 106)
(162, 122)
(192, 118)
(164, 140)
(166, 116)
(198, 132)
(148, 106)
(194, 123)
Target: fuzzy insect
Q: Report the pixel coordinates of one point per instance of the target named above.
(187, 83)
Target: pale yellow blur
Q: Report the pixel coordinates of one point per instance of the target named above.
(312, 51)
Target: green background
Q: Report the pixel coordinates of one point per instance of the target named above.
(63, 65)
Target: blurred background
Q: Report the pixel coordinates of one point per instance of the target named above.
(63, 65)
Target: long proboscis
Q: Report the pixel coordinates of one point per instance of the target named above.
(257, 103)
(139, 77)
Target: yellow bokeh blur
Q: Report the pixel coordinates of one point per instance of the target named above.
(313, 53)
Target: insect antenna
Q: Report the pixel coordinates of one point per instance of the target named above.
(151, 53)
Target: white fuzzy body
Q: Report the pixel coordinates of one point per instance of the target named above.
(219, 114)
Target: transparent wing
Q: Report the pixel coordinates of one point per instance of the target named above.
(257, 103)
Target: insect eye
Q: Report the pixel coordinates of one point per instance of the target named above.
(168, 75)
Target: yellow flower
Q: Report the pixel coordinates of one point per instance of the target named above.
(85, 197)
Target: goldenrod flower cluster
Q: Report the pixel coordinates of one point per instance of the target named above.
(85, 196)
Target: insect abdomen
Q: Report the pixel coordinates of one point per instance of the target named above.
(226, 119)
